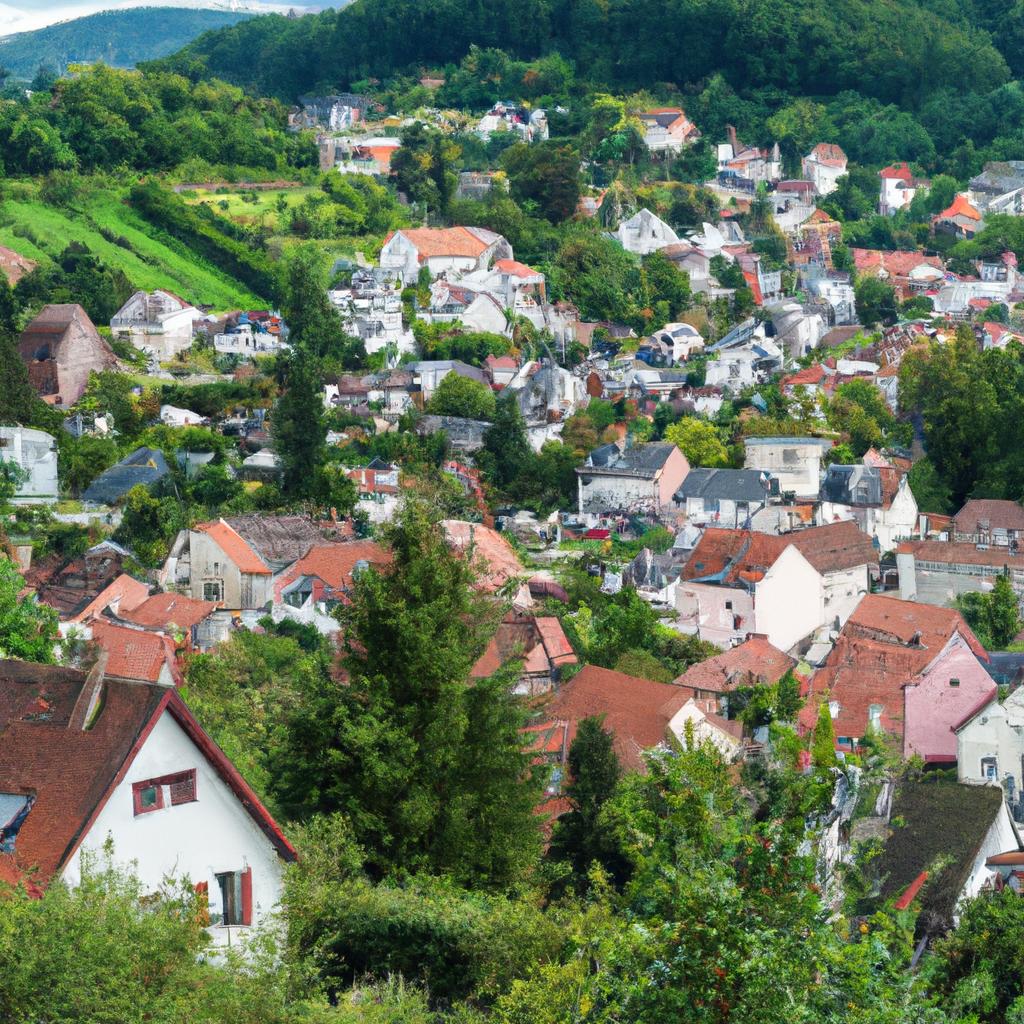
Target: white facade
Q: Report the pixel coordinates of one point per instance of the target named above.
(376, 319)
(887, 525)
(990, 745)
(645, 233)
(246, 342)
(408, 250)
(35, 452)
(794, 461)
(156, 322)
(198, 840)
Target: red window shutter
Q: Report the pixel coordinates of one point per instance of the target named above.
(203, 892)
(247, 896)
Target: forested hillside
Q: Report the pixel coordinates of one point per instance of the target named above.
(896, 52)
(120, 38)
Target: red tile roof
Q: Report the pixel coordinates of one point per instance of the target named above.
(234, 547)
(516, 269)
(335, 563)
(897, 263)
(72, 771)
(125, 592)
(752, 662)
(636, 711)
(457, 241)
(964, 553)
(134, 653)
(499, 562)
(814, 374)
(901, 171)
(170, 610)
(960, 207)
(998, 514)
(829, 154)
(883, 646)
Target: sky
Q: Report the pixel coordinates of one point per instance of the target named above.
(26, 15)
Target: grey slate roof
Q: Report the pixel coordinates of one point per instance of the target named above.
(642, 460)
(852, 485)
(723, 485)
(144, 466)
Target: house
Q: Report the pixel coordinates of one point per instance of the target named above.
(87, 760)
(794, 461)
(325, 574)
(694, 262)
(225, 569)
(744, 167)
(476, 310)
(937, 572)
(644, 233)
(34, 452)
(960, 219)
(824, 166)
(144, 467)
(85, 585)
(538, 643)
(910, 273)
(667, 129)
(744, 357)
(61, 347)
(990, 745)
(640, 714)
(681, 341)
(370, 155)
(798, 328)
(814, 239)
(999, 188)
(724, 497)
(158, 323)
(176, 417)
(464, 435)
(429, 373)
(891, 660)
(198, 621)
(937, 869)
(835, 289)
(878, 498)
(755, 662)
(501, 369)
(739, 582)
(990, 521)
(134, 654)
(898, 188)
(441, 250)
(643, 478)
(371, 309)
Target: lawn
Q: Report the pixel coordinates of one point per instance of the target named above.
(39, 232)
(251, 207)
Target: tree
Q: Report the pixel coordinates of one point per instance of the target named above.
(506, 451)
(430, 771)
(28, 630)
(1003, 612)
(875, 301)
(297, 425)
(547, 174)
(823, 742)
(18, 399)
(699, 441)
(580, 836)
(462, 396)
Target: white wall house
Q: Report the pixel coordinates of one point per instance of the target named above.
(225, 568)
(990, 742)
(156, 322)
(455, 250)
(126, 765)
(34, 452)
(794, 461)
(868, 495)
(645, 233)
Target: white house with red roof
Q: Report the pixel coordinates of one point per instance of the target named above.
(441, 250)
(898, 188)
(156, 322)
(961, 218)
(87, 760)
(667, 129)
(225, 568)
(824, 166)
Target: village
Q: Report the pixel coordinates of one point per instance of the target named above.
(745, 474)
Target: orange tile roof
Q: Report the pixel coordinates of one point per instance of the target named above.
(334, 563)
(500, 562)
(516, 269)
(751, 662)
(170, 610)
(829, 154)
(901, 171)
(134, 653)
(234, 547)
(126, 591)
(960, 207)
(457, 241)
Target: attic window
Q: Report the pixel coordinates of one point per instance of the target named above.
(954, 682)
(165, 791)
(14, 808)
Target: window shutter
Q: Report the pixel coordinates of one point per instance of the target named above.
(247, 896)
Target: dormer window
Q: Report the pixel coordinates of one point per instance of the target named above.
(165, 791)
(954, 682)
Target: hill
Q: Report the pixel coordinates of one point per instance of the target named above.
(895, 51)
(120, 38)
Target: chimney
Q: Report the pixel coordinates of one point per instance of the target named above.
(89, 697)
(730, 134)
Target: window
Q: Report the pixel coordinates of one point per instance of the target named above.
(212, 591)
(989, 768)
(954, 682)
(235, 897)
(166, 791)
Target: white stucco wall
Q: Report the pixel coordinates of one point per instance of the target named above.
(197, 840)
(1001, 837)
(843, 591)
(789, 603)
(998, 731)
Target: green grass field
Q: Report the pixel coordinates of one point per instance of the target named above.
(251, 207)
(41, 232)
